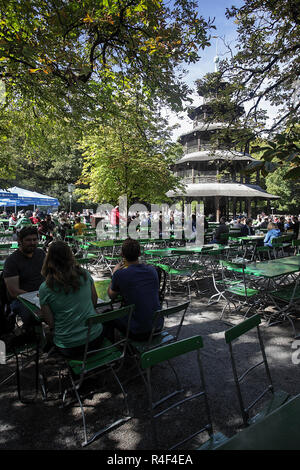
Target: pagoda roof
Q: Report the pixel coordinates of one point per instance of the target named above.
(206, 127)
(210, 155)
(222, 189)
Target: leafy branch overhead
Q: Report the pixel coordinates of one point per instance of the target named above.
(264, 66)
(62, 52)
(283, 149)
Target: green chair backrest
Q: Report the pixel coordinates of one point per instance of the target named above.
(108, 316)
(276, 241)
(164, 353)
(232, 265)
(167, 312)
(104, 243)
(243, 327)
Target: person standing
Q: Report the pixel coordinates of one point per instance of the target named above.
(295, 226)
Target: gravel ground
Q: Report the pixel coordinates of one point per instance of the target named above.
(44, 425)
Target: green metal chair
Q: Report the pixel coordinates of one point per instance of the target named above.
(164, 404)
(261, 252)
(278, 398)
(278, 247)
(235, 288)
(181, 277)
(296, 246)
(286, 300)
(164, 336)
(87, 263)
(108, 358)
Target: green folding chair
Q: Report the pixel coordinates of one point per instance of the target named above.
(157, 338)
(286, 300)
(296, 246)
(107, 358)
(164, 336)
(87, 263)
(235, 288)
(165, 404)
(277, 245)
(277, 398)
(262, 252)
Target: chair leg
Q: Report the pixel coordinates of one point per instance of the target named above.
(75, 390)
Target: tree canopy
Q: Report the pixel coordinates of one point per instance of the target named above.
(76, 54)
(266, 62)
(130, 155)
(282, 150)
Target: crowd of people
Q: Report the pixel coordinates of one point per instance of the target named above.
(274, 225)
(50, 226)
(67, 291)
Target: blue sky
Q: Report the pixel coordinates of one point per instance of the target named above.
(224, 28)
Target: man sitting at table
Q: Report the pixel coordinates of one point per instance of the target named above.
(22, 272)
(79, 226)
(238, 223)
(247, 229)
(273, 232)
(138, 284)
(222, 229)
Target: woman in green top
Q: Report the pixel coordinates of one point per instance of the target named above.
(67, 298)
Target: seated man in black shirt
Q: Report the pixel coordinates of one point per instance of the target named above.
(22, 271)
(221, 233)
(247, 228)
(138, 284)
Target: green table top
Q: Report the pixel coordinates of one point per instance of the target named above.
(280, 430)
(295, 260)
(32, 301)
(270, 270)
(198, 249)
(160, 252)
(252, 237)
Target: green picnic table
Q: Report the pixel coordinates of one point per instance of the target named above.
(199, 249)
(279, 430)
(294, 260)
(163, 252)
(271, 270)
(253, 238)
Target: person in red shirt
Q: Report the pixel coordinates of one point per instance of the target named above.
(35, 219)
(115, 218)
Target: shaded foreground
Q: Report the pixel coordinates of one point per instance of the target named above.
(44, 425)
